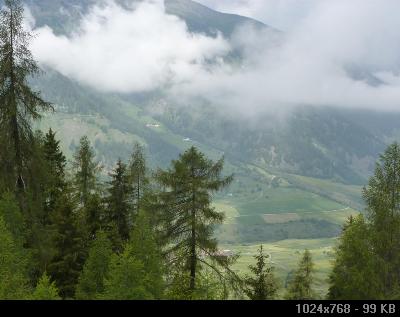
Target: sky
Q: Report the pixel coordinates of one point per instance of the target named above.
(337, 53)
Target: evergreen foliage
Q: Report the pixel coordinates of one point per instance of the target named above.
(263, 285)
(91, 281)
(45, 290)
(301, 287)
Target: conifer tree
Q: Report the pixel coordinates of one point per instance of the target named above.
(138, 175)
(300, 288)
(13, 266)
(144, 247)
(56, 163)
(126, 279)
(355, 275)
(86, 170)
(91, 281)
(19, 103)
(94, 214)
(45, 289)
(263, 285)
(119, 200)
(68, 261)
(188, 216)
(382, 196)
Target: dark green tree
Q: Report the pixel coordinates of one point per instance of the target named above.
(45, 290)
(91, 281)
(138, 175)
(301, 287)
(19, 103)
(55, 168)
(263, 284)
(119, 200)
(86, 170)
(188, 217)
(66, 265)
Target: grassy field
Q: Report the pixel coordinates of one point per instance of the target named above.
(284, 256)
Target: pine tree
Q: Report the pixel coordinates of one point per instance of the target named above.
(263, 285)
(19, 103)
(86, 170)
(68, 261)
(300, 288)
(188, 216)
(45, 289)
(120, 200)
(138, 175)
(91, 281)
(13, 264)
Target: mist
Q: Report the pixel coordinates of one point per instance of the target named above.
(332, 53)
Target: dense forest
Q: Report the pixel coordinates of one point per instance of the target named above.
(149, 234)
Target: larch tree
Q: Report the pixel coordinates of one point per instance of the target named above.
(263, 284)
(19, 104)
(188, 217)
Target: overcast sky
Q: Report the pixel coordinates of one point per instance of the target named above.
(333, 52)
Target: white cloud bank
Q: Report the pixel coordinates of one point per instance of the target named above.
(132, 51)
(128, 51)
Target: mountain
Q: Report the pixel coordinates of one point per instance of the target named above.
(296, 169)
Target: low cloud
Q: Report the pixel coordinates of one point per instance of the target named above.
(125, 51)
(341, 53)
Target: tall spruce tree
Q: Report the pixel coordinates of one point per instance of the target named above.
(119, 200)
(263, 285)
(19, 103)
(301, 287)
(188, 216)
(67, 263)
(56, 163)
(86, 170)
(138, 175)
